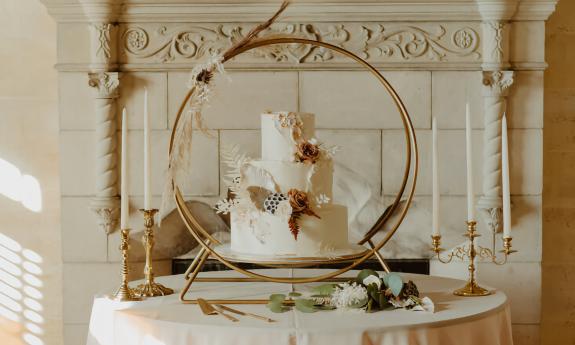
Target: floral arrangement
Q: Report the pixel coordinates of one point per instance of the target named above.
(299, 203)
(369, 291)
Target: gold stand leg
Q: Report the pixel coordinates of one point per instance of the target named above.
(124, 292)
(379, 258)
(150, 288)
(471, 289)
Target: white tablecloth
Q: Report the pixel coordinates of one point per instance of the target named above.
(165, 321)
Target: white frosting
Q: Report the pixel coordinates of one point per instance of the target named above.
(277, 141)
(268, 234)
(315, 178)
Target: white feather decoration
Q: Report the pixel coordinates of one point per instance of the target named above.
(252, 176)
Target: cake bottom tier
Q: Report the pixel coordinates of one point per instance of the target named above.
(270, 235)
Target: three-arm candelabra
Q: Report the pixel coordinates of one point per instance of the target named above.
(471, 251)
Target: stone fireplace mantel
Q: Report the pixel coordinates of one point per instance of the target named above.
(439, 54)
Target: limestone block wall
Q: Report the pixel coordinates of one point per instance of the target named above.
(445, 57)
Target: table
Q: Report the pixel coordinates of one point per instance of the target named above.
(166, 321)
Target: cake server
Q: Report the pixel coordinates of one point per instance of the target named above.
(209, 309)
(243, 313)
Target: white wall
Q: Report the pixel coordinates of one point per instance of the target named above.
(30, 257)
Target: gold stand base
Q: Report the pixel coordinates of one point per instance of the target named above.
(125, 294)
(152, 289)
(472, 290)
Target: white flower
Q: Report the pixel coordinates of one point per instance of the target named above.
(348, 296)
(401, 303)
(371, 279)
(426, 305)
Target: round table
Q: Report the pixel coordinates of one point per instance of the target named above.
(166, 321)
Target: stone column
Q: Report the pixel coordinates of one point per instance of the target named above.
(105, 84)
(106, 200)
(497, 79)
(496, 86)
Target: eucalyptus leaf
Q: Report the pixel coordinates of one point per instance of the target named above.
(277, 298)
(364, 274)
(294, 294)
(395, 283)
(305, 305)
(324, 289)
(276, 307)
(385, 279)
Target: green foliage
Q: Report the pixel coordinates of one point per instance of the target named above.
(324, 289)
(395, 283)
(294, 294)
(305, 305)
(364, 274)
(276, 303)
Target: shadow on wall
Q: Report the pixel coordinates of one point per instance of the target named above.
(21, 320)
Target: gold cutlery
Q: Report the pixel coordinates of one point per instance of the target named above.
(209, 309)
(243, 313)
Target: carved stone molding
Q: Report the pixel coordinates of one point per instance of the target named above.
(376, 42)
(106, 202)
(495, 45)
(104, 42)
(496, 86)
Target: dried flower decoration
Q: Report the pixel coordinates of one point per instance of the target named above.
(200, 88)
(204, 76)
(299, 203)
(307, 152)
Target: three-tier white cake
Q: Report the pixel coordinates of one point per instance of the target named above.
(281, 204)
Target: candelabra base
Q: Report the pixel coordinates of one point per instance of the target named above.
(153, 289)
(471, 289)
(125, 294)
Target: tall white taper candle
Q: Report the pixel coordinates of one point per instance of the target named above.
(125, 204)
(147, 156)
(435, 200)
(469, 158)
(505, 179)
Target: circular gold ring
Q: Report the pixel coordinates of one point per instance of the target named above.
(411, 166)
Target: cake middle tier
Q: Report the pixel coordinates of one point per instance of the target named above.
(316, 179)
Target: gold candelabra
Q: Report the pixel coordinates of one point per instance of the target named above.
(150, 288)
(124, 292)
(472, 251)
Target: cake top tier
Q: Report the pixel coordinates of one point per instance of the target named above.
(282, 131)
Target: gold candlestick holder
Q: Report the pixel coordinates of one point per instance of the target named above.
(471, 251)
(124, 292)
(150, 288)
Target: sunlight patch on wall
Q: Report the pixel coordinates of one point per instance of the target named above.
(19, 187)
(21, 319)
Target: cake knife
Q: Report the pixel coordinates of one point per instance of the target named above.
(243, 313)
(209, 309)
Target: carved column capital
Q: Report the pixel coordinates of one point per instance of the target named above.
(105, 84)
(497, 83)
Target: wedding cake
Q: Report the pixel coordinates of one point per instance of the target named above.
(282, 204)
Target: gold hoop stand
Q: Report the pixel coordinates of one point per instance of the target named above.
(206, 240)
